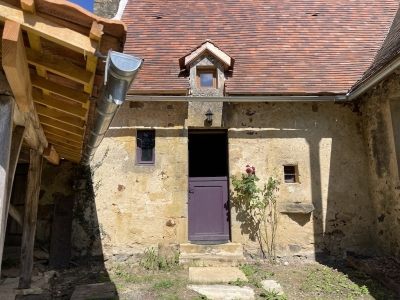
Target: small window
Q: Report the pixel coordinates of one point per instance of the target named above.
(145, 147)
(290, 174)
(206, 78)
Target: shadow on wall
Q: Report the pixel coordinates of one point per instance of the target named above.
(337, 180)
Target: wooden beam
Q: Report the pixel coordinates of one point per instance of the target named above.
(96, 31)
(23, 155)
(6, 119)
(74, 110)
(67, 153)
(91, 62)
(59, 89)
(31, 137)
(28, 5)
(70, 157)
(62, 134)
(16, 143)
(51, 155)
(62, 126)
(48, 30)
(58, 66)
(60, 116)
(61, 139)
(15, 65)
(65, 146)
(30, 219)
(14, 213)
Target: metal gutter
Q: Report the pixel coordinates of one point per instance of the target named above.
(120, 71)
(333, 98)
(374, 80)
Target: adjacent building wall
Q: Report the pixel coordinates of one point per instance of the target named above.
(380, 113)
(142, 206)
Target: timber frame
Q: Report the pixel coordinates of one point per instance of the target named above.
(50, 79)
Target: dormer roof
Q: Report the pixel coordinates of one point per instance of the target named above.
(207, 47)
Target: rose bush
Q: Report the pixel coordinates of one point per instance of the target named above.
(260, 203)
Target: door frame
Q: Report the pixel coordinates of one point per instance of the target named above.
(210, 131)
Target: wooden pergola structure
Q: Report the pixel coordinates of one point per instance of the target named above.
(50, 80)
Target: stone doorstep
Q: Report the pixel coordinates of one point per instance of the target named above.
(230, 254)
(215, 274)
(231, 249)
(211, 261)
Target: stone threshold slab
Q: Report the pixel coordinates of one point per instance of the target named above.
(215, 274)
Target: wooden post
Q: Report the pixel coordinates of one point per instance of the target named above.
(16, 142)
(6, 119)
(29, 227)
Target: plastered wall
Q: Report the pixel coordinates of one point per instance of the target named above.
(379, 108)
(141, 206)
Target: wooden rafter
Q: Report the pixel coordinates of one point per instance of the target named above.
(61, 139)
(59, 89)
(62, 126)
(15, 65)
(60, 80)
(63, 134)
(65, 146)
(60, 116)
(48, 30)
(51, 102)
(58, 66)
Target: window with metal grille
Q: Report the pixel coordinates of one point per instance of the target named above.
(290, 174)
(145, 146)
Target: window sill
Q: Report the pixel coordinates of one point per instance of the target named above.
(295, 208)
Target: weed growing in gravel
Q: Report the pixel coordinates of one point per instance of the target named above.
(162, 285)
(273, 296)
(238, 282)
(326, 280)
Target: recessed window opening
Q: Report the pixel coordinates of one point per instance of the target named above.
(206, 78)
(290, 174)
(145, 146)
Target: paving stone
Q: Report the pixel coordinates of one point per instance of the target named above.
(14, 272)
(7, 288)
(223, 292)
(34, 290)
(104, 290)
(38, 254)
(215, 274)
(272, 286)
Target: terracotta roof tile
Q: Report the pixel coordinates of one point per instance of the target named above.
(390, 49)
(279, 46)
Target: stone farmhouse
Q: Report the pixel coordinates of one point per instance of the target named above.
(306, 91)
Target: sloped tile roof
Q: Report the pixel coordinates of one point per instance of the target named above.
(279, 46)
(390, 50)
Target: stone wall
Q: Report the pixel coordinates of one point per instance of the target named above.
(379, 108)
(56, 180)
(325, 142)
(142, 206)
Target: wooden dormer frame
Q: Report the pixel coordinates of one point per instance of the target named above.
(207, 47)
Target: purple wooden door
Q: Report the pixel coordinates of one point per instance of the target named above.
(208, 209)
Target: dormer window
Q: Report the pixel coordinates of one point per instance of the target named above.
(207, 65)
(206, 78)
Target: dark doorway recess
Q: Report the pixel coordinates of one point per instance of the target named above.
(208, 211)
(208, 153)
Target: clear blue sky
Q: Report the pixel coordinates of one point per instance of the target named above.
(86, 4)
